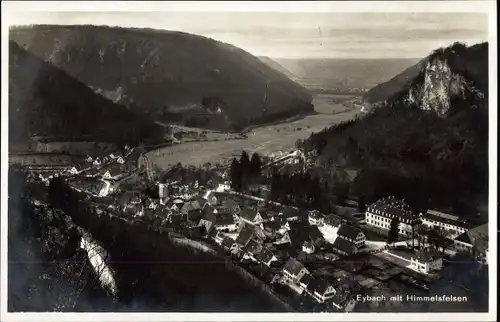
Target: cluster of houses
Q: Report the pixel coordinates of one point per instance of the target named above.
(301, 280)
(112, 166)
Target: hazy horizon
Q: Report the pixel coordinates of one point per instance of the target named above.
(308, 35)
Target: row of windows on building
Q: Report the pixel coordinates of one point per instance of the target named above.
(384, 225)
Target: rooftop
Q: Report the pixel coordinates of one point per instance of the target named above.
(425, 256)
(344, 246)
(348, 231)
(447, 219)
(293, 266)
(393, 206)
(472, 236)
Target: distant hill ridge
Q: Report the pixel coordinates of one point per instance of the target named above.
(171, 76)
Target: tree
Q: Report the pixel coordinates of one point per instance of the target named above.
(255, 166)
(245, 169)
(341, 193)
(393, 231)
(236, 175)
(437, 238)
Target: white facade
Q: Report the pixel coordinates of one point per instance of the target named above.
(308, 248)
(360, 240)
(295, 278)
(74, 171)
(454, 229)
(229, 227)
(426, 266)
(120, 160)
(162, 190)
(316, 220)
(321, 298)
(223, 187)
(380, 219)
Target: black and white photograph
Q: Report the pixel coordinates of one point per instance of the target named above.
(245, 157)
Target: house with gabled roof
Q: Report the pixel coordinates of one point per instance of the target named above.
(244, 237)
(230, 206)
(294, 270)
(114, 172)
(316, 218)
(91, 173)
(225, 222)
(76, 169)
(189, 206)
(266, 257)
(471, 238)
(207, 220)
(271, 228)
(291, 214)
(305, 280)
(229, 244)
(426, 261)
(308, 247)
(218, 237)
(250, 216)
(352, 234)
(344, 247)
(253, 248)
(320, 290)
(332, 221)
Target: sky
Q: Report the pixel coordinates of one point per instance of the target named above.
(300, 34)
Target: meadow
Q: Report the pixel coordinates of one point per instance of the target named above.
(264, 140)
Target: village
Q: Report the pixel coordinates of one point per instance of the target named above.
(311, 260)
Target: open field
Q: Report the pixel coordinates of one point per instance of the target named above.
(264, 140)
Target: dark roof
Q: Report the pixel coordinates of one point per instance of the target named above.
(191, 205)
(201, 201)
(318, 285)
(306, 279)
(209, 216)
(224, 219)
(265, 255)
(292, 212)
(427, 255)
(348, 231)
(254, 247)
(293, 266)
(194, 215)
(472, 236)
(394, 207)
(333, 220)
(114, 170)
(315, 233)
(248, 214)
(92, 172)
(227, 242)
(230, 204)
(344, 245)
(316, 214)
(272, 225)
(245, 235)
(300, 233)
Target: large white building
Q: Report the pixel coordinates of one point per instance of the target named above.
(381, 213)
(451, 224)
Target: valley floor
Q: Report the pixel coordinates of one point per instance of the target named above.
(264, 140)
